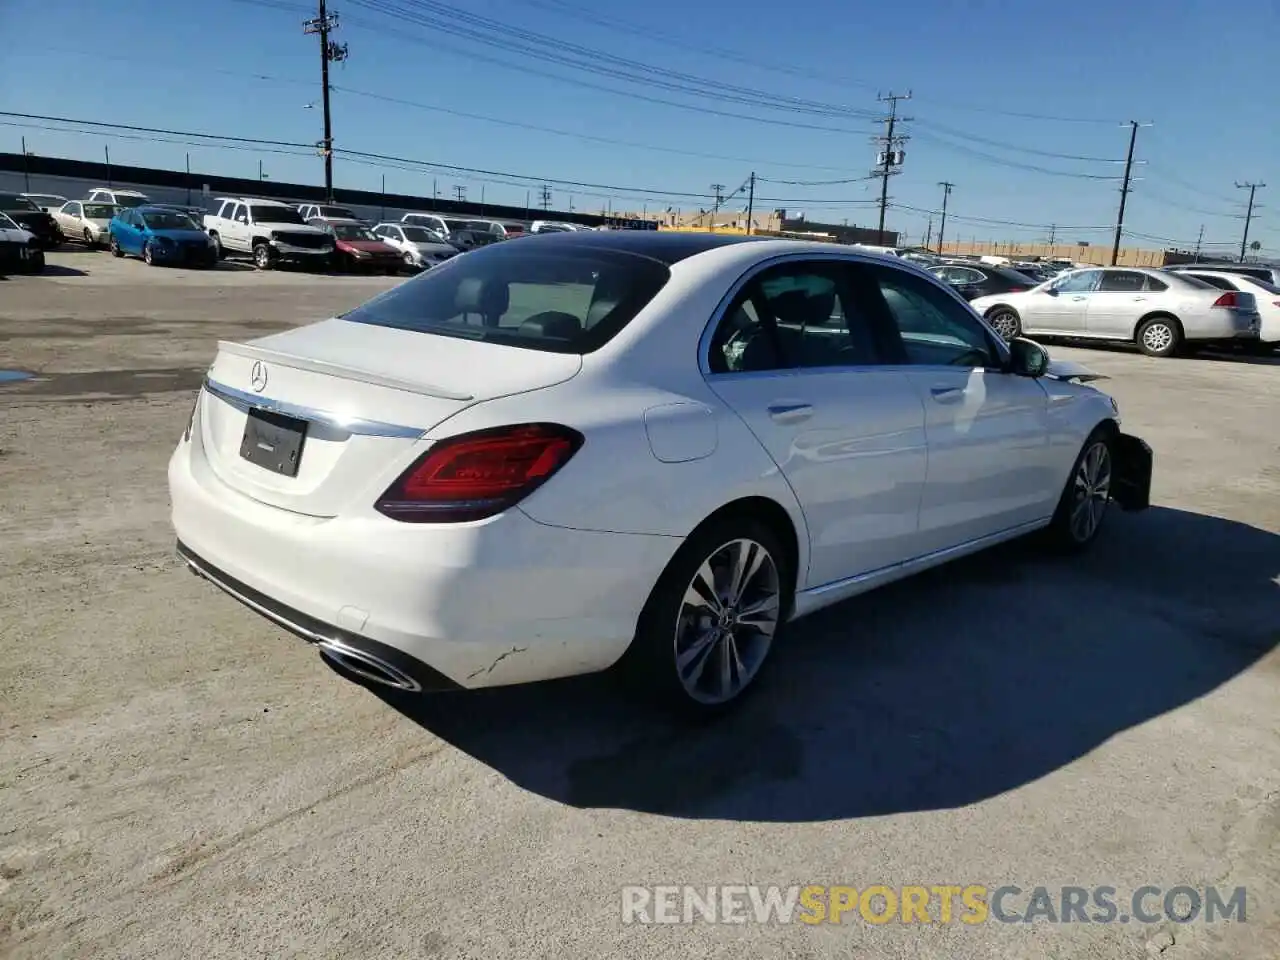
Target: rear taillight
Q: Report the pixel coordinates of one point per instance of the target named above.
(1231, 299)
(477, 475)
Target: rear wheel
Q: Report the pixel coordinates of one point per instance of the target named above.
(115, 247)
(1006, 322)
(262, 256)
(1159, 336)
(218, 252)
(712, 618)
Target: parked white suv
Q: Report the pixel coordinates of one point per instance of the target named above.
(272, 232)
(121, 198)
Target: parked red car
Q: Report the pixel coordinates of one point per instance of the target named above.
(357, 249)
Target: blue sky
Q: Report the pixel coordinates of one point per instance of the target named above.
(1055, 81)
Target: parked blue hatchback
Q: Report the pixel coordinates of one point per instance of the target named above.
(161, 235)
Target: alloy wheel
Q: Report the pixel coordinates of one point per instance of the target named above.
(1005, 323)
(727, 620)
(1091, 492)
(1157, 337)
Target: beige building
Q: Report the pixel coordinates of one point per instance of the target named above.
(1077, 253)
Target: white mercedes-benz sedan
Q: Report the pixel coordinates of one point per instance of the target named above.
(646, 449)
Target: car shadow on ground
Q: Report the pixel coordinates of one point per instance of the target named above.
(1219, 355)
(58, 270)
(947, 689)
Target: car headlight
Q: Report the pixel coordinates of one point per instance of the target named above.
(360, 254)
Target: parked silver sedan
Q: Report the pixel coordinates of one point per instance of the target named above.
(87, 221)
(1159, 311)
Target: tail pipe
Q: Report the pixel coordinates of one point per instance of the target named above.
(366, 665)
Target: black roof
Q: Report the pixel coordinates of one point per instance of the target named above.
(667, 247)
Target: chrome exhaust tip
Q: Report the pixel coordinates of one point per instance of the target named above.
(367, 666)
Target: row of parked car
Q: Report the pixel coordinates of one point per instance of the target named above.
(321, 236)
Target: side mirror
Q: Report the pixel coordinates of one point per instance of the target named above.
(1027, 358)
(1051, 291)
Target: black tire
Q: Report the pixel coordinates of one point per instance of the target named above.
(148, 257)
(35, 263)
(262, 256)
(1006, 322)
(114, 244)
(651, 664)
(1159, 336)
(409, 263)
(218, 252)
(88, 239)
(1067, 532)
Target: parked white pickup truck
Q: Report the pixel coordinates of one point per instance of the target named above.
(272, 232)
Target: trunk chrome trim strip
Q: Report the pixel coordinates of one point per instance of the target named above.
(353, 425)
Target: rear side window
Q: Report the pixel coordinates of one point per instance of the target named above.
(1156, 285)
(1122, 281)
(570, 301)
(1222, 283)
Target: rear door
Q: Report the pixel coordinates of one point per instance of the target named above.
(797, 358)
(1114, 308)
(990, 460)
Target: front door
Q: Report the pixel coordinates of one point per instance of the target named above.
(991, 465)
(799, 363)
(1062, 307)
(236, 228)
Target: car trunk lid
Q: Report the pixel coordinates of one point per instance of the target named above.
(364, 395)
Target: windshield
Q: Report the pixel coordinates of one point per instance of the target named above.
(131, 200)
(168, 220)
(273, 214)
(351, 231)
(7, 223)
(419, 235)
(46, 198)
(338, 213)
(553, 228)
(100, 211)
(1269, 287)
(12, 201)
(572, 301)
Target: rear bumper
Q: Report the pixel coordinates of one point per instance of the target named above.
(501, 601)
(1133, 467)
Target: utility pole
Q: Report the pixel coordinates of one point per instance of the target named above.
(946, 186)
(460, 192)
(718, 190)
(890, 155)
(544, 197)
(928, 234)
(1248, 217)
(330, 52)
(1053, 234)
(106, 152)
(1124, 190)
(751, 199)
(1199, 240)
(26, 174)
(188, 179)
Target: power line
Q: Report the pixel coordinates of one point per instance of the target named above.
(591, 137)
(495, 33)
(1012, 164)
(951, 131)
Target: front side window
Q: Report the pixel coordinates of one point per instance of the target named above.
(72, 209)
(934, 327)
(571, 301)
(1083, 282)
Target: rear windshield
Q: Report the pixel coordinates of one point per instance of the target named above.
(168, 220)
(570, 301)
(130, 200)
(338, 213)
(100, 211)
(1194, 281)
(11, 201)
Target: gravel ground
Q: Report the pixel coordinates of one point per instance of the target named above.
(180, 779)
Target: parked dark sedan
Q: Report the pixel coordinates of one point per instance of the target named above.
(973, 280)
(32, 219)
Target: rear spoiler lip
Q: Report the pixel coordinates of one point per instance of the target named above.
(339, 370)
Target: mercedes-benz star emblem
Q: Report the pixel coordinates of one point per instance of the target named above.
(258, 376)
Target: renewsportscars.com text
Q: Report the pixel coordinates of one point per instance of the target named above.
(940, 903)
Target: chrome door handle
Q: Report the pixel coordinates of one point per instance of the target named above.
(1077, 298)
(790, 412)
(947, 394)
(1138, 299)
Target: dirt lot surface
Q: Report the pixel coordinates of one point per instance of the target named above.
(178, 778)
